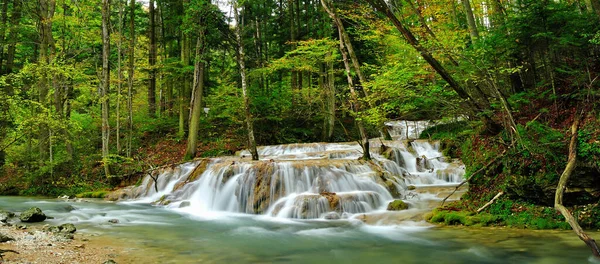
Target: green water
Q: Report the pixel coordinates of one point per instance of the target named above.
(166, 236)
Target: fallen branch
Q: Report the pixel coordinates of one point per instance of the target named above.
(490, 202)
(562, 185)
(494, 160)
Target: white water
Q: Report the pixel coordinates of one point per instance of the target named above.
(307, 181)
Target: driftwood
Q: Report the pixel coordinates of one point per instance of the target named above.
(490, 202)
(562, 185)
(2, 251)
(494, 160)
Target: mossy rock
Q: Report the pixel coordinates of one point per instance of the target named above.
(5, 215)
(397, 205)
(96, 194)
(32, 215)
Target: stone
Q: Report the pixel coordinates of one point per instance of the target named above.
(5, 238)
(5, 216)
(113, 221)
(32, 215)
(184, 204)
(397, 205)
(332, 216)
(67, 228)
(411, 187)
(110, 261)
(21, 227)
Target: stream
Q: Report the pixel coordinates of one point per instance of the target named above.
(304, 203)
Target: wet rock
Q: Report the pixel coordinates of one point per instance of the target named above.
(333, 199)
(5, 216)
(5, 238)
(113, 221)
(411, 187)
(332, 216)
(67, 228)
(164, 200)
(397, 205)
(21, 227)
(184, 204)
(110, 261)
(32, 215)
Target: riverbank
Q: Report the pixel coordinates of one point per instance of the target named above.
(34, 245)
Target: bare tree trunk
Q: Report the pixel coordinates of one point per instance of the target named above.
(3, 26)
(562, 185)
(105, 83)
(119, 76)
(470, 21)
(364, 142)
(184, 90)
(130, 75)
(241, 57)
(196, 101)
(12, 35)
(46, 10)
(152, 62)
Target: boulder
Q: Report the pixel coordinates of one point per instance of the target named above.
(5, 215)
(113, 221)
(32, 215)
(67, 228)
(397, 205)
(5, 238)
(184, 204)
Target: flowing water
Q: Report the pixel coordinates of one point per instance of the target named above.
(305, 203)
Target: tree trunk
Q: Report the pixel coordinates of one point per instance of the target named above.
(130, 75)
(184, 90)
(473, 32)
(364, 142)
(12, 35)
(105, 83)
(119, 76)
(562, 185)
(46, 10)
(152, 62)
(241, 56)
(3, 26)
(196, 101)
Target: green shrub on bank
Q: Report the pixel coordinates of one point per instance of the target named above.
(97, 194)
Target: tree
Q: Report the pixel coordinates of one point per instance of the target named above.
(130, 76)
(105, 83)
(152, 61)
(241, 56)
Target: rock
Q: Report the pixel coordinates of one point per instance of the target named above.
(21, 227)
(32, 215)
(110, 261)
(184, 204)
(397, 205)
(80, 246)
(51, 229)
(332, 216)
(5, 238)
(5, 215)
(411, 187)
(113, 221)
(67, 228)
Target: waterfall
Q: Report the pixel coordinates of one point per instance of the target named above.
(306, 181)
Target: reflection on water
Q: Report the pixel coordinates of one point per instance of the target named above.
(166, 236)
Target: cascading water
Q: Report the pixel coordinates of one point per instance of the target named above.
(306, 181)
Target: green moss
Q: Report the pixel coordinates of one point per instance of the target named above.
(97, 194)
(397, 205)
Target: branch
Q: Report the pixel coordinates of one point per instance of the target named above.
(476, 172)
(562, 185)
(490, 202)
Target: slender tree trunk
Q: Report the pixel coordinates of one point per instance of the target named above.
(471, 21)
(241, 63)
(331, 97)
(364, 142)
(12, 35)
(119, 76)
(3, 26)
(130, 76)
(152, 62)
(105, 83)
(184, 90)
(46, 10)
(196, 102)
(562, 185)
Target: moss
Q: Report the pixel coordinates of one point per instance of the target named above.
(397, 205)
(97, 194)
